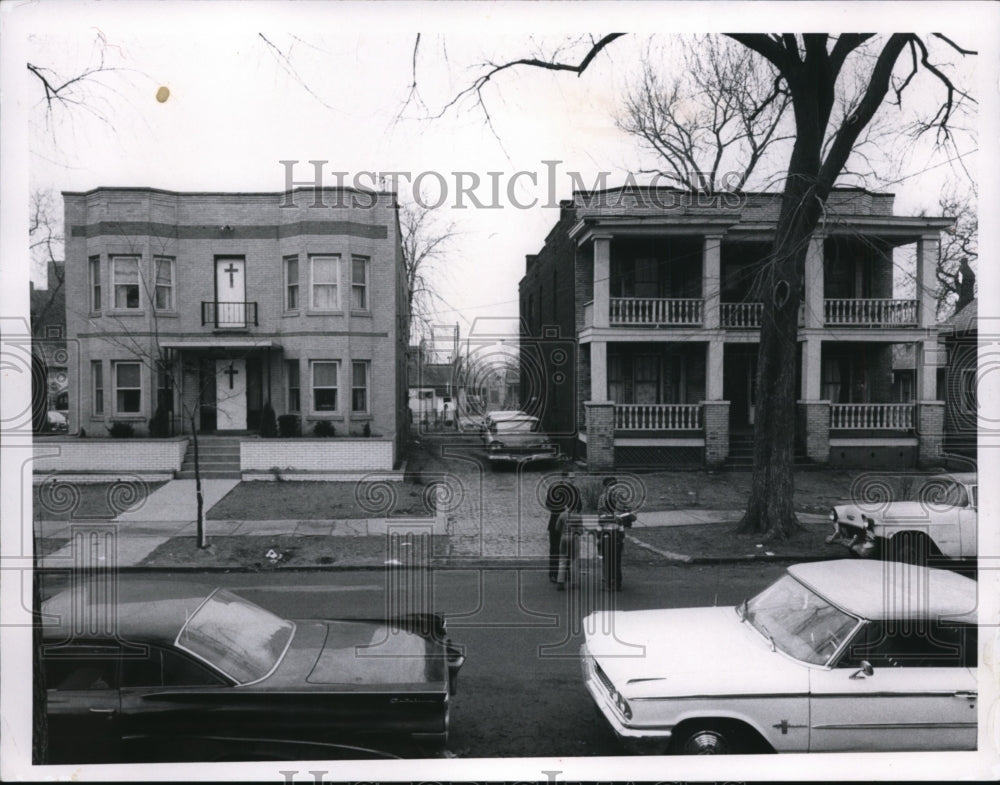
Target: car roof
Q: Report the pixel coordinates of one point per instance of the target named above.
(966, 478)
(506, 414)
(141, 608)
(890, 590)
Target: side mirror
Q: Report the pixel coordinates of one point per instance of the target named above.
(864, 671)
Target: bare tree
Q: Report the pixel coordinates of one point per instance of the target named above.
(45, 240)
(828, 129)
(426, 243)
(715, 116)
(958, 252)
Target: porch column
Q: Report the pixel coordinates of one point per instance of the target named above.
(600, 435)
(927, 254)
(930, 411)
(813, 283)
(812, 368)
(602, 284)
(711, 282)
(714, 371)
(715, 416)
(599, 371)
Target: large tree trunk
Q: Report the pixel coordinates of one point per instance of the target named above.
(770, 509)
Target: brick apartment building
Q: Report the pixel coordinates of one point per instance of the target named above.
(216, 304)
(654, 289)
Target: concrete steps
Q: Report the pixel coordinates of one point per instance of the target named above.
(218, 459)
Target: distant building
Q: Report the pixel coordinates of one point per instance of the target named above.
(655, 289)
(218, 304)
(48, 329)
(961, 340)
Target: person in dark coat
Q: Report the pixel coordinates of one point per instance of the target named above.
(614, 516)
(562, 496)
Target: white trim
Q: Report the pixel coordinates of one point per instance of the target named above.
(653, 442)
(902, 441)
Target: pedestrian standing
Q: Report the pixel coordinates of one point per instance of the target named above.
(562, 496)
(613, 516)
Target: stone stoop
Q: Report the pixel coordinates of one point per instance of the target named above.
(219, 459)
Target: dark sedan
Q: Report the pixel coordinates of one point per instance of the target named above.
(170, 671)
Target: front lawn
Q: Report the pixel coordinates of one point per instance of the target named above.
(267, 501)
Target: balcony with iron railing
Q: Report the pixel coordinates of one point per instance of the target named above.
(872, 416)
(658, 417)
(228, 316)
(655, 311)
(851, 312)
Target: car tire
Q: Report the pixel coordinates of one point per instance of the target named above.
(709, 740)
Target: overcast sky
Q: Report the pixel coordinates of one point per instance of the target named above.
(237, 107)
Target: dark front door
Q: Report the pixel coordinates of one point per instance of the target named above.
(206, 392)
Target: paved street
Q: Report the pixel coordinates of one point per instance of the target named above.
(520, 691)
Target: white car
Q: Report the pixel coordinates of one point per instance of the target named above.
(941, 521)
(845, 655)
(517, 438)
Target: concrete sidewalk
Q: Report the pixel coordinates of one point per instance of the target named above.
(137, 536)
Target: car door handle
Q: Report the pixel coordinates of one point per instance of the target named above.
(967, 695)
(95, 710)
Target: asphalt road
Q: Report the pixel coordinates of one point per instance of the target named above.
(520, 692)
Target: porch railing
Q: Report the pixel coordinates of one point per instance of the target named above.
(872, 416)
(658, 417)
(741, 315)
(655, 311)
(871, 313)
(228, 314)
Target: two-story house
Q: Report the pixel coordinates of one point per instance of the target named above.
(657, 288)
(211, 306)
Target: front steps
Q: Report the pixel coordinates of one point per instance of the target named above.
(218, 459)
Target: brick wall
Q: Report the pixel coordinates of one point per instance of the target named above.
(715, 415)
(930, 432)
(110, 455)
(814, 427)
(317, 455)
(600, 435)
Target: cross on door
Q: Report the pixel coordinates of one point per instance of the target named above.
(231, 372)
(231, 269)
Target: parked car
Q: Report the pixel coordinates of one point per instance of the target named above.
(56, 421)
(174, 671)
(516, 438)
(940, 522)
(844, 655)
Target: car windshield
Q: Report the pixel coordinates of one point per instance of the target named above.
(515, 426)
(241, 639)
(798, 621)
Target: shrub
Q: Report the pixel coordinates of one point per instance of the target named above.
(268, 425)
(159, 424)
(121, 430)
(289, 425)
(324, 428)
(367, 431)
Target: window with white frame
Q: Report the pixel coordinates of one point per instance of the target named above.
(128, 387)
(53, 331)
(95, 284)
(97, 382)
(125, 281)
(324, 385)
(291, 283)
(164, 294)
(294, 392)
(359, 385)
(325, 282)
(359, 283)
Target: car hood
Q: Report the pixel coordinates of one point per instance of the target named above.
(910, 512)
(689, 651)
(359, 656)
